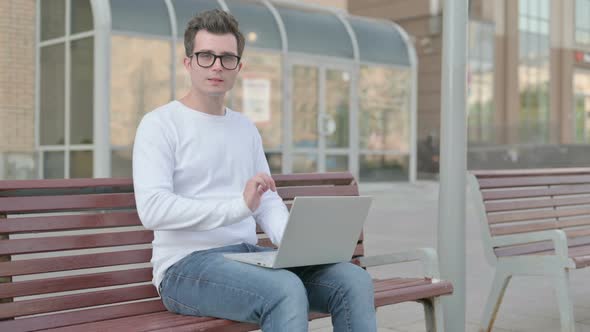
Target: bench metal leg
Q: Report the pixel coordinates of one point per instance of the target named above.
(433, 314)
(501, 280)
(564, 301)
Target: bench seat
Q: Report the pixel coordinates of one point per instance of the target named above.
(74, 256)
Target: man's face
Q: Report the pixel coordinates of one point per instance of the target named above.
(214, 80)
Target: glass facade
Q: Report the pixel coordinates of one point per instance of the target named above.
(582, 107)
(582, 23)
(533, 71)
(480, 92)
(66, 87)
(299, 91)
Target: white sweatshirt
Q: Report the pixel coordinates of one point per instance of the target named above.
(189, 173)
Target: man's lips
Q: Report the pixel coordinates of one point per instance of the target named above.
(216, 80)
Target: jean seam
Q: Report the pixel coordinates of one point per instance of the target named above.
(344, 301)
(194, 310)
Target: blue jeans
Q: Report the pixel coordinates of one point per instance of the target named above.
(205, 283)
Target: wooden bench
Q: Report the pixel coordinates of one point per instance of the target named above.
(76, 258)
(534, 222)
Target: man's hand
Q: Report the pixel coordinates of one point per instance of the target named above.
(256, 187)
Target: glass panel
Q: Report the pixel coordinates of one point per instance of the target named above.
(380, 42)
(275, 162)
(121, 163)
(81, 97)
(152, 19)
(305, 106)
(81, 17)
(336, 119)
(580, 118)
(53, 165)
(53, 19)
(256, 23)
(140, 82)
(305, 163)
(52, 103)
(384, 119)
(186, 9)
(380, 168)
(18, 165)
(81, 164)
(329, 34)
(258, 94)
(336, 163)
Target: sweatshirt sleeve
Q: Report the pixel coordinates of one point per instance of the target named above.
(272, 214)
(159, 208)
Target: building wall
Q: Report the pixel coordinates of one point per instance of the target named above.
(17, 82)
(17, 85)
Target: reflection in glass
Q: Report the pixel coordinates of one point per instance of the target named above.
(121, 163)
(305, 106)
(534, 71)
(305, 163)
(81, 16)
(582, 22)
(140, 82)
(143, 16)
(53, 165)
(336, 119)
(384, 119)
(257, 94)
(329, 34)
(81, 164)
(480, 99)
(256, 23)
(336, 163)
(379, 42)
(582, 106)
(382, 167)
(275, 162)
(53, 22)
(81, 97)
(52, 86)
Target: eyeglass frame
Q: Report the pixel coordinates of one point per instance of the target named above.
(215, 57)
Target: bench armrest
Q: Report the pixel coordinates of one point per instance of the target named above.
(427, 256)
(557, 236)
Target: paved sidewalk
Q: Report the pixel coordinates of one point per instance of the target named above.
(404, 216)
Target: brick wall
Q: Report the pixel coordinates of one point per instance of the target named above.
(17, 78)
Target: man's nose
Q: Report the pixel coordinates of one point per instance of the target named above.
(217, 64)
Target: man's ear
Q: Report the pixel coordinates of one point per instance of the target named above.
(240, 66)
(187, 63)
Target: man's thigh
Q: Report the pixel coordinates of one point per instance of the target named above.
(207, 284)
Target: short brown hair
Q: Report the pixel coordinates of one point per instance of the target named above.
(215, 21)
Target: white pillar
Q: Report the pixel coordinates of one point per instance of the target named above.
(453, 161)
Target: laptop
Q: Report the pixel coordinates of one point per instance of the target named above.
(320, 230)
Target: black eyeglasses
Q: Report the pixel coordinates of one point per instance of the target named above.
(207, 59)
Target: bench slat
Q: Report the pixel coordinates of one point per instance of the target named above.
(497, 218)
(69, 283)
(535, 203)
(69, 222)
(531, 172)
(83, 316)
(59, 303)
(74, 262)
(307, 179)
(538, 226)
(45, 244)
(390, 293)
(292, 192)
(64, 183)
(32, 204)
(536, 192)
(529, 181)
(535, 247)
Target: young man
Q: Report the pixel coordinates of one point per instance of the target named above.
(202, 183)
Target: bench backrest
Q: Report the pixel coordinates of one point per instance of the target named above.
(59, 238)
(529, 200)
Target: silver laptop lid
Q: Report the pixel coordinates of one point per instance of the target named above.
(322, 230)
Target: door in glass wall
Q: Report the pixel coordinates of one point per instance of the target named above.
(320, 108)
(582, 107)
